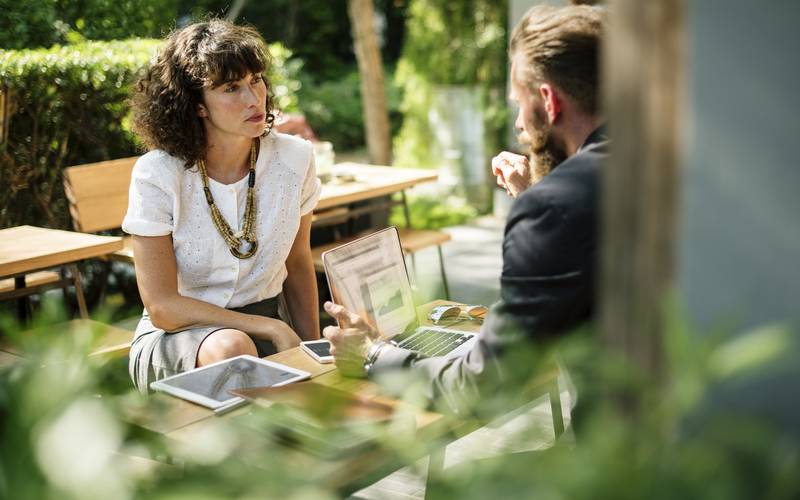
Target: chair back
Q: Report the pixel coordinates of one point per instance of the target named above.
(98, 193)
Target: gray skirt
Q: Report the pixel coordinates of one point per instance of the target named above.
(156, 354)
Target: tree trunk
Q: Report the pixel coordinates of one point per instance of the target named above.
(644, 87)
(373, 93)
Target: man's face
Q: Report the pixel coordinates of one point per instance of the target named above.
(532, 124)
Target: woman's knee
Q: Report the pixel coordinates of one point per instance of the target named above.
(224, 344)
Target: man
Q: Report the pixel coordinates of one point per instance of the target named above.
(550, 243)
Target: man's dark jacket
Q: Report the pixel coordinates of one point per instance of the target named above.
(548, 280)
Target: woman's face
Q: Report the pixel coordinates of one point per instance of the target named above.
(235, 108)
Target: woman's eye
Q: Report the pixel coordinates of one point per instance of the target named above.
(257, 79)
(231, 88)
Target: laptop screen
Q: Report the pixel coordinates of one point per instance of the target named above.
(368, 276)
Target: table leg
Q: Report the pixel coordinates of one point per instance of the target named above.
(406, 213)
(444, 276)
(76, 278)
(23, 303)
(435, 468)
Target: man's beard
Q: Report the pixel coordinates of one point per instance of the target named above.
(545, 152)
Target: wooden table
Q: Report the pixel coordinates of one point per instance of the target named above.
(184, 421)
(371, 181)
(26, 249)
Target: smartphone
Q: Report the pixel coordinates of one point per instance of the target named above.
(318, 349)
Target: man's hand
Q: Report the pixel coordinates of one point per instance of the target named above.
(350, 341)
(513, 172)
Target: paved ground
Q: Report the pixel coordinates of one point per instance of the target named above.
(473, 260)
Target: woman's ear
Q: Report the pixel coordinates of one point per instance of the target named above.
(202, 112)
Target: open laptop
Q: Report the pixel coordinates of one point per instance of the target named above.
(368, 276)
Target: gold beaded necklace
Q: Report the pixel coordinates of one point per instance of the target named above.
(246, 235)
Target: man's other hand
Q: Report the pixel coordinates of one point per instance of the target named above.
(350, 341)
(513, 172)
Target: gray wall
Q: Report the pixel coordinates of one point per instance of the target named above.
(740, 227)
(739, 238)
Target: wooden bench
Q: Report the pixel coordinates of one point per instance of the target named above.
(33, 282)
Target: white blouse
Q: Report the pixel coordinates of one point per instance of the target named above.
(166, 198)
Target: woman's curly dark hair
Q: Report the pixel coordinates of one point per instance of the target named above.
(166, 98)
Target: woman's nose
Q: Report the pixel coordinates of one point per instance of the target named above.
(250, 96)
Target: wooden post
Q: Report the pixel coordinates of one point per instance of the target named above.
(373, 93)
(5, 113)
(643, 88)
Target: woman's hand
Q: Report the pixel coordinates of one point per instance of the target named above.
(275, 331)
(284, 337)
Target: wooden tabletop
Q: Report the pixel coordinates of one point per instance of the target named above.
(370, 181)
(24, 249)
(184, 422)
(173, 414)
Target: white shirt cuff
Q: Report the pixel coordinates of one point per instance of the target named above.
(141, 227)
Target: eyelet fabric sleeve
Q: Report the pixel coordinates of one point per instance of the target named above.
(151, 196)
(312, 187)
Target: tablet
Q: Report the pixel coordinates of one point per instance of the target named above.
(209, 385)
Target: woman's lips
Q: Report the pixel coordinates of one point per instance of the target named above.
(256, 118)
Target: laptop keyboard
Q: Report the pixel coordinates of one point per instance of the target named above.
(430, 342)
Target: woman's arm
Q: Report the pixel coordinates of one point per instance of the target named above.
(157, 277)
(300, 287)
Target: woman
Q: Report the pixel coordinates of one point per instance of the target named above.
(220, 208)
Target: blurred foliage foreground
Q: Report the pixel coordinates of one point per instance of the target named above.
(65, 434)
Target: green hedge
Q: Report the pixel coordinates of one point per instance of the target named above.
(68, 106)
(27, 24)
(43, 23)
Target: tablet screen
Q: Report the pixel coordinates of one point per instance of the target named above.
(214, 381)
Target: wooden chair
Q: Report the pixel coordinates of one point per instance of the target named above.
(98, 198)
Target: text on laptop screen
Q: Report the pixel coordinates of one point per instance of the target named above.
(368, 277)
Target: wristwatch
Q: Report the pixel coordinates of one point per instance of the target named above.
(372, 354)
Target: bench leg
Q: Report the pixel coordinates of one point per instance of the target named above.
(444, 276)
(555, 406)
(76, 278)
